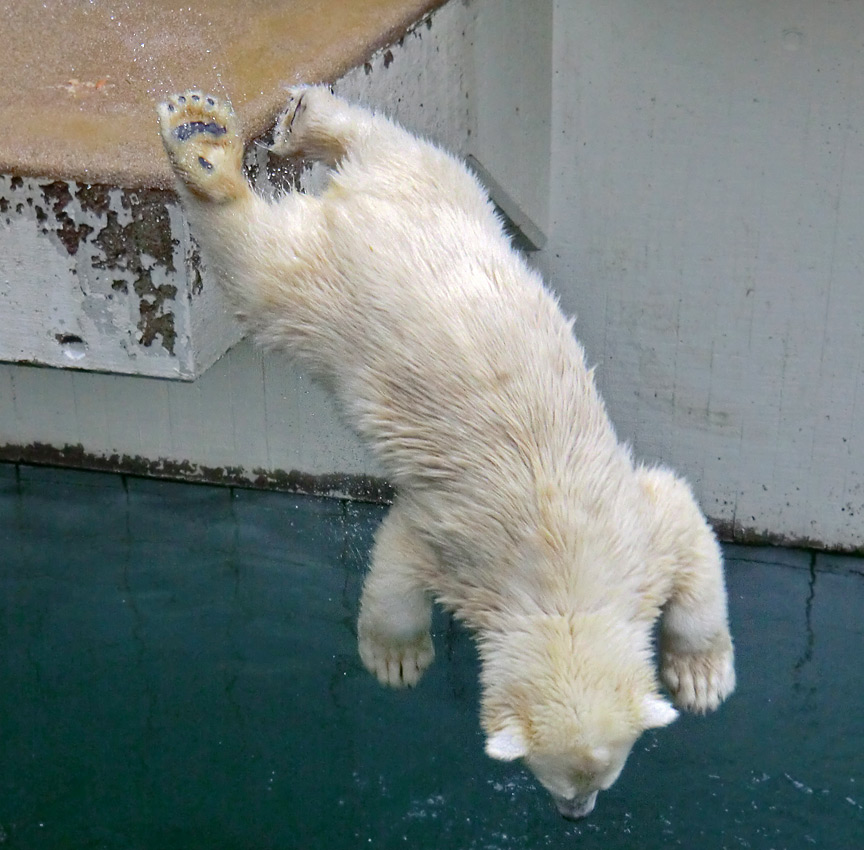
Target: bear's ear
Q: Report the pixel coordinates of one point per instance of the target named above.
(657, 712)
(507, 745)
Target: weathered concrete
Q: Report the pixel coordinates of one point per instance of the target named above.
(704, 223)
(708, 231)
(107, 279)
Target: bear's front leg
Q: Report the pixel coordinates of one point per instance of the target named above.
(697, 662)
(696, 657)
(395, 610)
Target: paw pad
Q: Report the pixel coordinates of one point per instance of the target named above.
(200, 135)
(186, 131)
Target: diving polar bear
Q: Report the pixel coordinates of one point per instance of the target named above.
(517, 509)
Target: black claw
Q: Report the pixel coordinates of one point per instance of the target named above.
(211, 102)
(181, 99)
(207, 166)
(171, 107)
(186, 131)
(298, 110)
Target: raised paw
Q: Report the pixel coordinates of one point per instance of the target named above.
(398, 664)
(314, 124)
(285, 138)
(202, 141)
(698, 682)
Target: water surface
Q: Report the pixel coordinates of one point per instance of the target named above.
(178, 671)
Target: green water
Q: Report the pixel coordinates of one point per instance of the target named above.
(178, 670)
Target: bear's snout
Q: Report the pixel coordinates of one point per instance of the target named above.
(576, 807)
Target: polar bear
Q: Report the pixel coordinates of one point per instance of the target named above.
(517, 508)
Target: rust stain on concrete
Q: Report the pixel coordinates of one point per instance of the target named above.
(130, 235)
(126, 246)
(364, 488)
(57, 196)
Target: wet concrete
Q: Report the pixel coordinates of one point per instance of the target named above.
(179, 670)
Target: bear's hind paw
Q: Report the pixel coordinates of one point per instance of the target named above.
(287, 138)
(200, 136)
(699, 682)
(315, 124)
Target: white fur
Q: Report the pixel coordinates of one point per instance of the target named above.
(517, 508)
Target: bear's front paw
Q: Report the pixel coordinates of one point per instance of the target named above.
(397, 662)
(699, 682)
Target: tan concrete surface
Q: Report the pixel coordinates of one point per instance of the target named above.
(80, 79)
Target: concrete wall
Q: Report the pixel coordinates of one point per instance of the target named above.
(707, 207)
(705, 164)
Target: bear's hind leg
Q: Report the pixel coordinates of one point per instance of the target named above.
(270, 256)
(395, 610)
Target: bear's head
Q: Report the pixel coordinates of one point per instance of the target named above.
(570, 697)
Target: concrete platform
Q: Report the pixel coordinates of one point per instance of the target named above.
(80, 79)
